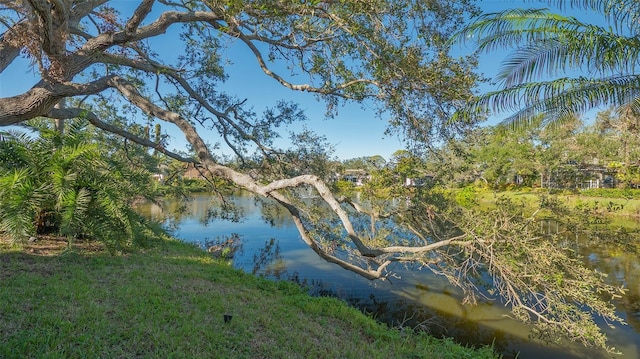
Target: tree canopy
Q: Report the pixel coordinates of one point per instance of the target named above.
(391, 54)
(99, 56)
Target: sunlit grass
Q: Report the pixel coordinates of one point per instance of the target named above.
(623, 209)
(170, 302)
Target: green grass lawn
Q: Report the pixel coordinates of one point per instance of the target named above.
(170, 302)
(622, 207)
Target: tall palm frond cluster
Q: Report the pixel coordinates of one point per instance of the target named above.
(68, 186)
(559, 65)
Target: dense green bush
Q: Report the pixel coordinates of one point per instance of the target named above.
(467, 197)
(68, 185)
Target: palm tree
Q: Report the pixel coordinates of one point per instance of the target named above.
(560, 66)
(67, 185)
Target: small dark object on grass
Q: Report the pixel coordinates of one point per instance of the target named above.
(227, 318)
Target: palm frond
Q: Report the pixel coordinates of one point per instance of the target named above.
(623, 14)
(562, 98)
(511, 28)
(14, 149)
(74, 206)
(17, 207)
(112, 206)
(600, 53)
(549, 45)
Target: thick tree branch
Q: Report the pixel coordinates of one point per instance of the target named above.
(366, 273)
(9, 50)
(8, 53)
(335, 91)
(83, 8)
(166, 19)
(430, 247)
(41, 98)
(269, 190)
(54, 17)
(69, 113)
(139, 14)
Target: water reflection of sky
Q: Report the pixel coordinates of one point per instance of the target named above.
(418, 298)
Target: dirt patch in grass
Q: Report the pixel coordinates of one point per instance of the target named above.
(52, 245)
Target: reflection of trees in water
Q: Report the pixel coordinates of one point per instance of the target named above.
(403, 314)
(272, 213)
(407, 314)
(223, 247)
(616, 253)
(411, 315)
(204, 208)
(317, 287)
(171, 212)
(632, 303)
(268, 261)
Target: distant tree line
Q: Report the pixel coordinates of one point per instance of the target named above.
(604, 153)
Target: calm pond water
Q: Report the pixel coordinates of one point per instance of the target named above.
(419, 298)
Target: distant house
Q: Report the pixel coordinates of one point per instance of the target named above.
(582, 176)
(355, 176)
(597, 177)
(418, 181)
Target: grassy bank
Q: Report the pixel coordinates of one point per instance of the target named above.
(170, 302)
(621, 207)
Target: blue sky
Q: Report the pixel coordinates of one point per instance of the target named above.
(355, 132)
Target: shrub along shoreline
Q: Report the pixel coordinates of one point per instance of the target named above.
(170, 301)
